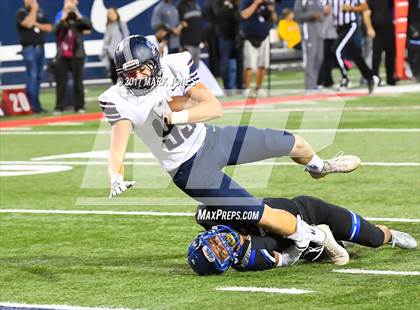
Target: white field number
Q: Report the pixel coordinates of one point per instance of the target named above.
(19, 102)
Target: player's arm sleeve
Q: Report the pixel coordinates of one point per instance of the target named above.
(185, 69)
(114, 112)
(256, 260)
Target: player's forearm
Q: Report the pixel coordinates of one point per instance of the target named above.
(202, 112)
(206, 107)
(120, 135)
(115, 164)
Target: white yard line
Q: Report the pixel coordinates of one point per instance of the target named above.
(392, 219)
(251, 289)
(15, 128)
(55, 133)
(280, 107)
(66, 124)
(56, 307)
(84, 212)
(4, 132)
(4, 164)
(172, 201)
(378, 272)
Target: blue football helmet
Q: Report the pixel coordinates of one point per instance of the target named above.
(135, 52)
(214, 251)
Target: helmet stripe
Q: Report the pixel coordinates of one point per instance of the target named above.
(127, 50)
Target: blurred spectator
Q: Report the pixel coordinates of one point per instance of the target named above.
(32, 22)
(191, 18)
(160, 39)
(310, 14)
(329, 34)
(258, 18)
(116, 30)
(379, 22)
(288, 30)
(230, 45)
(414, 37)
(60, 14)
(210, 13)
(70, 56)
(165, 13)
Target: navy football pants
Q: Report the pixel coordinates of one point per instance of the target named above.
(202, 178)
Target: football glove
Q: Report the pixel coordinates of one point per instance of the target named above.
(291, 255)
(118, 185)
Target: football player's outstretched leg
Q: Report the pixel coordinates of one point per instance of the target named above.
(163, 101)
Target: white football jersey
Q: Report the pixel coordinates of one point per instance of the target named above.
(172, 146)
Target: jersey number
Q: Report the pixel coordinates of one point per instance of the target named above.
(172, 136)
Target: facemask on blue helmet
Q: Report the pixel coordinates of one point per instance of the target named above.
(137, 54)
(214, 251)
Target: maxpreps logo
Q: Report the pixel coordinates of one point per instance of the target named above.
(222, 215)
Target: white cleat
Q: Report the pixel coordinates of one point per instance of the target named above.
(338, 164)
(337, 253)
(402, 240)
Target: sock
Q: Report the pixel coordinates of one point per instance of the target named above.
(316, 164)
(306, 233)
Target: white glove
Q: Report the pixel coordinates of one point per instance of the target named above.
(291, 255)
(118, 185)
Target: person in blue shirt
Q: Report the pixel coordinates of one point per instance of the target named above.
(258, 17)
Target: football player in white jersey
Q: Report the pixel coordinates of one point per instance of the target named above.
(192, 152)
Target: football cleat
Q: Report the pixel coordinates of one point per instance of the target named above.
(338, 164)
(337, 253)
(402, 240)
(373, 83)
(344, 83)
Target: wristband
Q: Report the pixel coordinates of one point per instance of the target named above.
(179, 118)
(116, 178)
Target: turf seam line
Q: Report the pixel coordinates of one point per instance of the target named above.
(158, 213)
(378, 272)
(56, 307)
(251, 289)
(9, 132)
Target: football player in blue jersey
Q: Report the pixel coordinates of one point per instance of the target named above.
(246, 248)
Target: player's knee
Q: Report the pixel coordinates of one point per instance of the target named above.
(300, 148)
(299, 143)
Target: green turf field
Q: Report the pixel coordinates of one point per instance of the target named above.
(140, 261)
